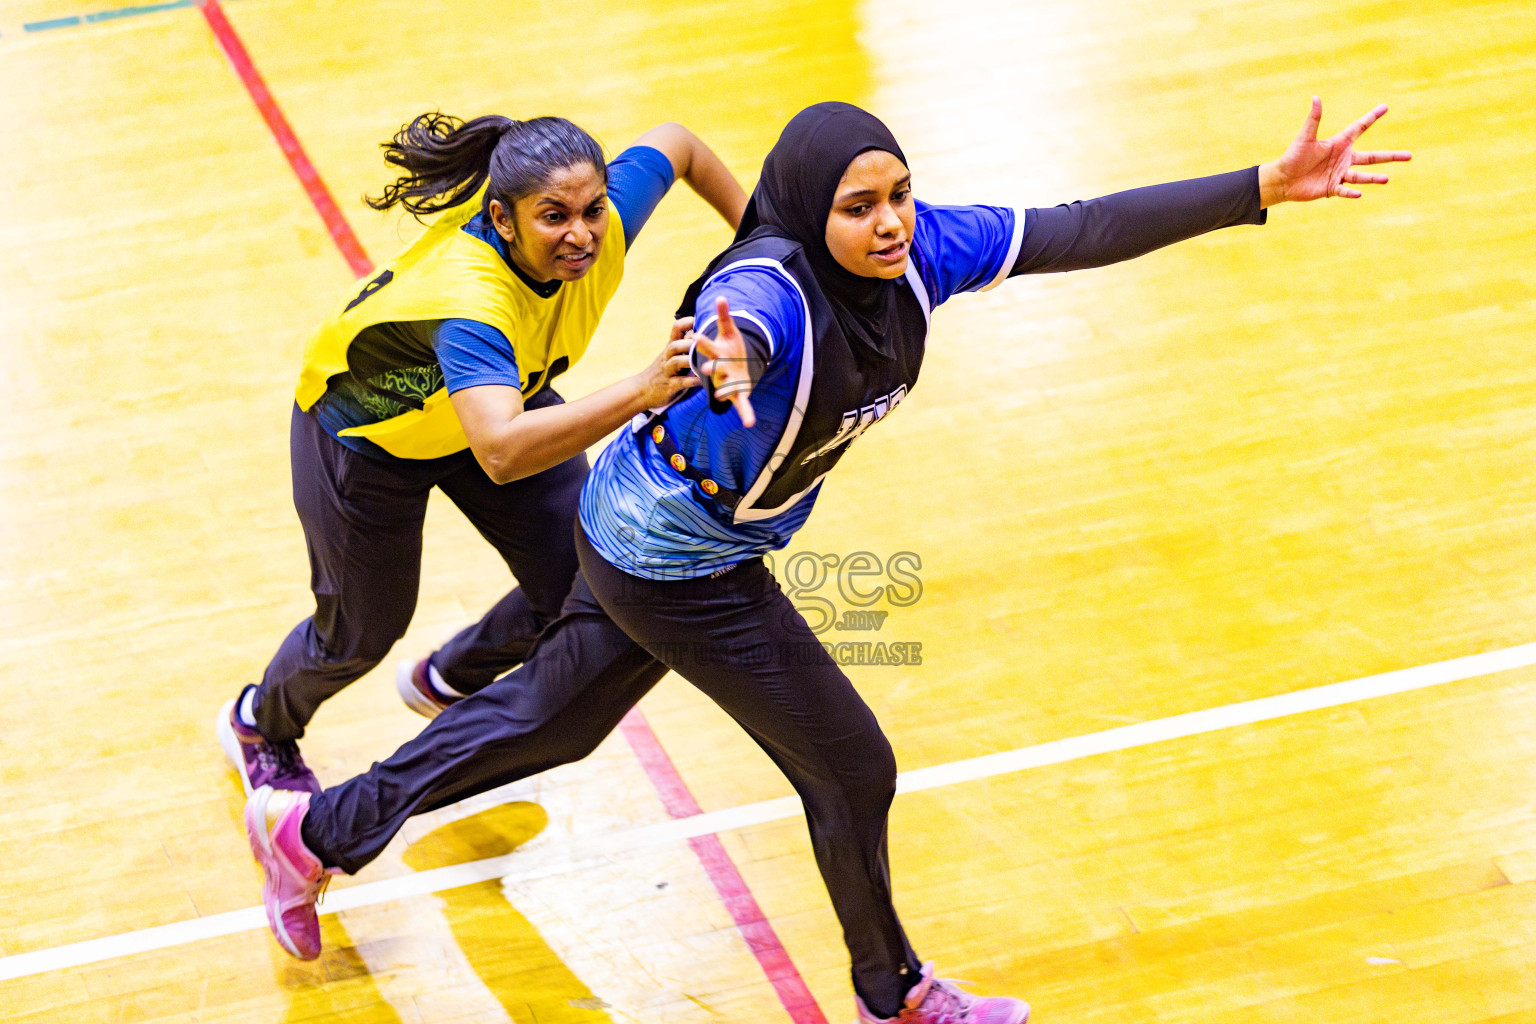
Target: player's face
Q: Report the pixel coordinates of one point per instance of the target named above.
(869, 230)
(557, 232)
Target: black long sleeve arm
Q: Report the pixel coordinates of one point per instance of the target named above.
(1122, 226)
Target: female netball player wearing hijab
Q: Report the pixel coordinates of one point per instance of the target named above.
(812, 328)
(436, 373)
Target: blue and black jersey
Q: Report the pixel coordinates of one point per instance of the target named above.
(813, 398)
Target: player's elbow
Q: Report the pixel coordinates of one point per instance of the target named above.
(502, 474)
(675, 133)
(503, 463)
(508, 470)
(674, 142)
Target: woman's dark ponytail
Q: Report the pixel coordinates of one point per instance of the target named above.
(446, 160)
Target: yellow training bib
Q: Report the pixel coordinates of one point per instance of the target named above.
(449, 274)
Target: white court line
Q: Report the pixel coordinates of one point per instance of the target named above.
(571, 854)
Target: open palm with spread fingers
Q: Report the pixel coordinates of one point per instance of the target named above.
(726, 365)
(1313, 168)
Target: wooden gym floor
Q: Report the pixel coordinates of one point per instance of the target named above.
(1244, 469)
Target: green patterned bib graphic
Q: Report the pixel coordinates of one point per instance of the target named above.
(395, 391)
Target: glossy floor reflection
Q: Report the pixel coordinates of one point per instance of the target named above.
(1258, 462)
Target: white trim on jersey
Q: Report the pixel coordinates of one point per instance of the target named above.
(744, 511)
(915, 279)
(1013, 252)
(750, 318)
(640, 420)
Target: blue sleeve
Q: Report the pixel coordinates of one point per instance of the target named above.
(767, 306)
(472, 353)
(764, 304)
(637, 179)
(965, 248)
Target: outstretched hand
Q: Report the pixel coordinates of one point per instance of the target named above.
(669, 372)
(726, 364)
(1313, 168)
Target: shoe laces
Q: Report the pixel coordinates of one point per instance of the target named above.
(310, 894)
(315, 891)
(282, 759)
(943, 1004)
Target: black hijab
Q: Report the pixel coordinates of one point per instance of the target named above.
(792, 200)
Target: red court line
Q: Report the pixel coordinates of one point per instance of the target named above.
(762, 940)
(335, 223)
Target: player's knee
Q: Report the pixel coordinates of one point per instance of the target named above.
(358, 642)
(871, 772)
(358, 654)
(573, 748)
(509, 712)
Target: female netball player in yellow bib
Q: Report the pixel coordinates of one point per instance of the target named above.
(436, 372)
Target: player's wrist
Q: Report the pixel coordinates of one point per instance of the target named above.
(1271, 185)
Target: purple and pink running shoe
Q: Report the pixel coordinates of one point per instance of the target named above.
(295, 877)
(938, 1001)
(258, 761)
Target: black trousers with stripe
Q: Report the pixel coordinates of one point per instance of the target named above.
(736, 637)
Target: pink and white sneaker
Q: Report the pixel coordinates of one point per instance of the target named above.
(295, 876)
(414, 685)
(938, 1001)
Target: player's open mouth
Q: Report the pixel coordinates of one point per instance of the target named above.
(891, 254)
(575, 259)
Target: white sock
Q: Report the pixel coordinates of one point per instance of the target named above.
(441, 685)
(247, 710)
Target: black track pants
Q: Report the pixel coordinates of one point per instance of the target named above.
(362, 521)
(739, 640)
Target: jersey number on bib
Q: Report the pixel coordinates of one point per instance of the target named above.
(371, 287)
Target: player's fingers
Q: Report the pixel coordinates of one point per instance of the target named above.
(707, 350)
(1358, 127)
(730, 373)
(732, 383)
(1314, 119)
(680, 327)
(1361, 178)
(744, 410)
(727, 323)
(737, 393)
(1382, 156)
(682, 377)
